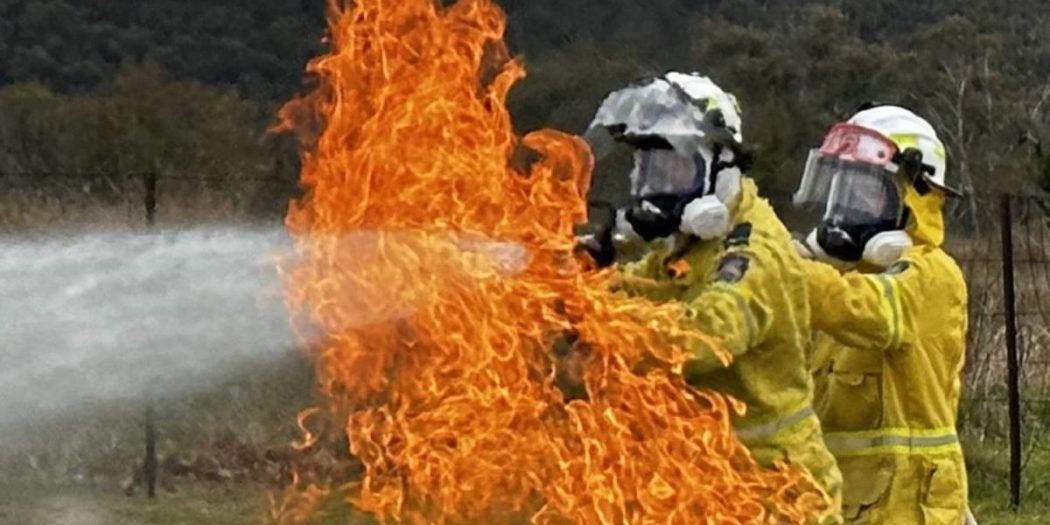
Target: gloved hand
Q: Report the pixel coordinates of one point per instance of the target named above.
(599, 246)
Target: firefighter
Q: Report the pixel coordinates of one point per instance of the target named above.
(717, 247)
(889, 306)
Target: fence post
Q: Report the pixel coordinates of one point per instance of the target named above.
(151, 198)
(150, 465)
(150, 462)
(1012, 363)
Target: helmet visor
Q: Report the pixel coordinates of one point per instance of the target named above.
(665, 172)
(853, 193)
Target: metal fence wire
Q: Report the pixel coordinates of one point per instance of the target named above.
(1002, 243)
(997, 239)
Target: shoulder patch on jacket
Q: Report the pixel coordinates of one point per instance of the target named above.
(740, 236)
(732, 269)
(897, 268)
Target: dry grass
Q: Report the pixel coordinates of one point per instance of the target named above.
(59, 203)
(236, 429)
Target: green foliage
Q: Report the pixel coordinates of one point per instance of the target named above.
(144, 124)
(260, 48)
(798, 67)
(987, 468)
(975, 69)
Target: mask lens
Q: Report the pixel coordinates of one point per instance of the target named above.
(862, 194)
(664, 172)
(850, 192)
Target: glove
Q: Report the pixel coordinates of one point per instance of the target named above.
(599, 246)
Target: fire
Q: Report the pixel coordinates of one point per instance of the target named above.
(437, 263)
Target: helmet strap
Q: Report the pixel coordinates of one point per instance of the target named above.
(906, 214)
(716, 166)
(742, 160)
(911, 166)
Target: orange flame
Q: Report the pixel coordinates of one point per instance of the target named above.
(439, 269)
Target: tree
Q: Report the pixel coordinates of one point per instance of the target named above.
(146, 124)
(974, 68)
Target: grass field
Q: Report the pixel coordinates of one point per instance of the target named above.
(190, 504)
(244, 503)
(989, 485)
(220, 448)
(235, 504)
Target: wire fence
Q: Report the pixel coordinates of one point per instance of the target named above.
(1002, 243)
(997, 240)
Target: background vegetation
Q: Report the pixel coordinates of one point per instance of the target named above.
(119, 85)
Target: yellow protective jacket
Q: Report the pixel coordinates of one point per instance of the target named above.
(889, 354)
(749, 290)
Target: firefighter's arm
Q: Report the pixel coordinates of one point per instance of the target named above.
(867, 311)
(640, 278)
(644, 268)
(735, 309)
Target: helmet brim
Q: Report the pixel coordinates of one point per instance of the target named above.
(947, 190)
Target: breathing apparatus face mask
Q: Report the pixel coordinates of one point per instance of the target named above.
(662, 182)
(854, 177)
(672, 193)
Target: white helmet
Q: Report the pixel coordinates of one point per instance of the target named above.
(861, 174)
(684, 133)
(909, 131)
(672, 107)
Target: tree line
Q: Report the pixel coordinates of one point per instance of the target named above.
(190, 86)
